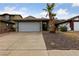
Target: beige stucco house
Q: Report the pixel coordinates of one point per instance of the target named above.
(7, 23)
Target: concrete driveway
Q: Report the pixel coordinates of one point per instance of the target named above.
(22, 44)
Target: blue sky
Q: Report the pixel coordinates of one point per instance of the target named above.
(63, 10)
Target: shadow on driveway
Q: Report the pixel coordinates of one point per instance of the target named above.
(60, 41)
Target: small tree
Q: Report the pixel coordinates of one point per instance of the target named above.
(63, 28)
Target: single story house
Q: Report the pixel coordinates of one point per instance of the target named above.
(72, 23)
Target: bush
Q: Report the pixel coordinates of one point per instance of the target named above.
(63, 28)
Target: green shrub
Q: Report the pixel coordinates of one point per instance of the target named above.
(63, 28)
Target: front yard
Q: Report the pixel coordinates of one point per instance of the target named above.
(61, 40)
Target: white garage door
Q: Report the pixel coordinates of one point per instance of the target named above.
(76, 26)
(29, 26)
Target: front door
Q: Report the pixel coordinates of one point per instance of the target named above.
(44, 26)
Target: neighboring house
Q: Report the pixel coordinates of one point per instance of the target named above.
(72, 23)
(5, 26)
(6, 22)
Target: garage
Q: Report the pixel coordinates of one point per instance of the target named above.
(29, 26)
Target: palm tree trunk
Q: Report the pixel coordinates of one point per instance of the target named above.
(52, 22)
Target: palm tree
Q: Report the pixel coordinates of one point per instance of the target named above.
(52, 21)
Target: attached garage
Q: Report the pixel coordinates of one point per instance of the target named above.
(29, 26)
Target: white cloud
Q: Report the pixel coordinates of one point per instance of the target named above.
(13, 10)
(75, 4)
(64, 14)
(43, 14)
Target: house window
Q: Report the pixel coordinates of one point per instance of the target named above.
(6, 17)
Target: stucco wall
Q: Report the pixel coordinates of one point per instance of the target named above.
(4, 27)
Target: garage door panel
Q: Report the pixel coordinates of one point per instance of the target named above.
(76, 26)
(29, 26)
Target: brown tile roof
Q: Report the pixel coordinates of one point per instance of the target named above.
(68, 20)
(12, 16)
(74, 17)
(29, 18)
(9, 14)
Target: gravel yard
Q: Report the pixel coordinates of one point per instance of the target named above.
(61, 40)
